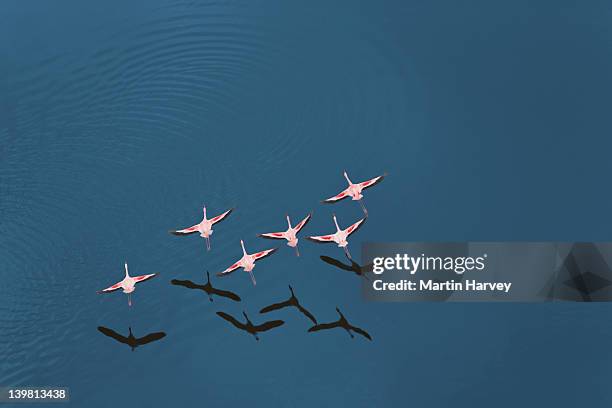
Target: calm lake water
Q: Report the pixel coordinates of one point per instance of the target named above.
(119, 121)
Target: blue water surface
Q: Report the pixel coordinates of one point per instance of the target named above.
(120, 120)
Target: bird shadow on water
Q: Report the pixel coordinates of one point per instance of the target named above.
(249, 327)
(352, 267)
(131, 340)
(208, 288)
(341, 323)
(291, 302)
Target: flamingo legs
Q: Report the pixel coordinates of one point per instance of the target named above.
(297, 251)
(252, 277)
(348, 254)
(365, 211)
(208, 243)
(129, 299)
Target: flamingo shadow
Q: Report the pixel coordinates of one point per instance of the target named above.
(131, 340)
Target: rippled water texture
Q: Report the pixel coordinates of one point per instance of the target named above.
(119, 120)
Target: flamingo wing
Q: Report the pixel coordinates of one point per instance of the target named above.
(143, 277)
(302, 223)
(231, 269)
(273, 235)
(371, 182)
(322, 238)
(112, 288)
(263, 254)
(337, 197)
(355, 226)
(221, 217)
(186, 231)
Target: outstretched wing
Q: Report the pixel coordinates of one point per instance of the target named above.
(322, 238)
(231, 269)
(362, 332)
(150, 338)
(269, 325)
(232, 320)
(307, 313)
(323, 326)
(142, 278)
(221, 217)
(302, 223)
(225, 293)
(275, 306)
(113, 334)
(337, 197)
(263, 254)
(186, 231)
(371, 182)
(272, 235)
(111, 288)
(355, 226)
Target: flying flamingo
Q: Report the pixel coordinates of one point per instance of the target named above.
(247, 262)
(290, 234)
(128, 284)
(340, 236)
(204, 227)
(354, 191)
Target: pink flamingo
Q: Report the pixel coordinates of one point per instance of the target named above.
(290, 234)
(204, 227)
(247, 262)
(354, 191)
(128, 284)
(340, 236)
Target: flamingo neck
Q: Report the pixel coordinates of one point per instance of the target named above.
(289, 222)
(336, 222)
(347, 178)
(204, 211)
(127, 275)
(243, 249)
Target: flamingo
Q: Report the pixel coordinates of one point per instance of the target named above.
(342, 323)
(128, 284)
(204, 227)
(340, 236)
(247, 262)
(290, 234)
(354, 191)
